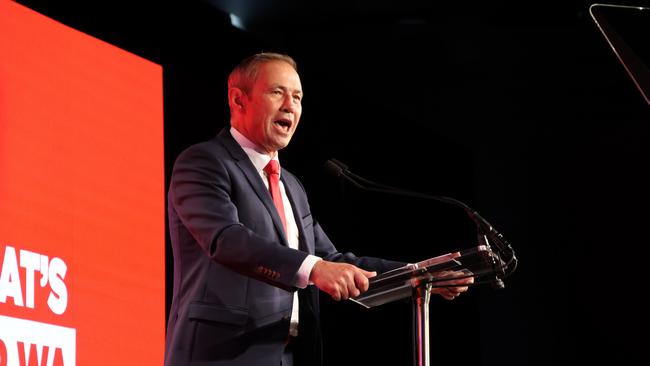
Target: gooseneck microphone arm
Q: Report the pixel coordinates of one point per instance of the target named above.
(484, 228)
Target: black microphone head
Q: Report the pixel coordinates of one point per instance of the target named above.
(333, 168)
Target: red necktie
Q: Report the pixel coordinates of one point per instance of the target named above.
(272, 169)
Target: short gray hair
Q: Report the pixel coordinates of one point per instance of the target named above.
(244, 74)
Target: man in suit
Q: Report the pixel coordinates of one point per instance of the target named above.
(249, 257)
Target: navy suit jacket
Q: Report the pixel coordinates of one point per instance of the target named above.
(234, 274)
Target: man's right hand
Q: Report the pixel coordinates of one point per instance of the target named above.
(340, 280)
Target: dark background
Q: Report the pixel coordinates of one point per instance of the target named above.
(521, 110)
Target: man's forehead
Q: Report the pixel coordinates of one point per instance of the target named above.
(284, 77)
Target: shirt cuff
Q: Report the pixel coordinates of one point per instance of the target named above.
(305, 270)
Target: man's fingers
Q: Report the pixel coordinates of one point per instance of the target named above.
(368, 274)
(446, 294)
(336, 295)
(343, 289)
(354, 282)
(340, 280)
(458, 289)
(361, 281)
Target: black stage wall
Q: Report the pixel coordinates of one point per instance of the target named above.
(519, 110)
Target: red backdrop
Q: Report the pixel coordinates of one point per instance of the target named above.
(81, 198)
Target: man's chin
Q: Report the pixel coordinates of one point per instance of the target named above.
(280, 144)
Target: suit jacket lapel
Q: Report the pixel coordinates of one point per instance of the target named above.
(253, 177)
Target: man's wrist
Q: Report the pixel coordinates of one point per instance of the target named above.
(304, 272)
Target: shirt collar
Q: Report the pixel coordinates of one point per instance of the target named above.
(253, 151)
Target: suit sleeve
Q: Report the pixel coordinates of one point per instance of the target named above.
(201, 195)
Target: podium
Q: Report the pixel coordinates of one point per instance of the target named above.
(416, 280)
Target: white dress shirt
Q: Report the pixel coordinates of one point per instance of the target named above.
(260, 159)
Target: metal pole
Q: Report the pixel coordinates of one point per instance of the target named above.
(421, 297)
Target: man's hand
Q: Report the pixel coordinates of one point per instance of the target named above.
(457, 286)
(340, 280)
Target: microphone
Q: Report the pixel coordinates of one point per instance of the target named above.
(484, 228)
(333, 168)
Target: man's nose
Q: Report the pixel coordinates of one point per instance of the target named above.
(289, 105)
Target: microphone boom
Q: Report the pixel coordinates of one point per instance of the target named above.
(485, 229)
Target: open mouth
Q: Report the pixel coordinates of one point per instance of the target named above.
(284, 124)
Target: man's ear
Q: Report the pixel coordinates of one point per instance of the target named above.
(235, 96)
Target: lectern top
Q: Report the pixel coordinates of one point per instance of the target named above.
(479, 262)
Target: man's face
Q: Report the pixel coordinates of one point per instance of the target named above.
(273, 106)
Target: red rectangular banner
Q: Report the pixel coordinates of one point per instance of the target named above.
(82, 236)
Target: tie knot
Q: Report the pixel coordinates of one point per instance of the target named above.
(273, 167)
